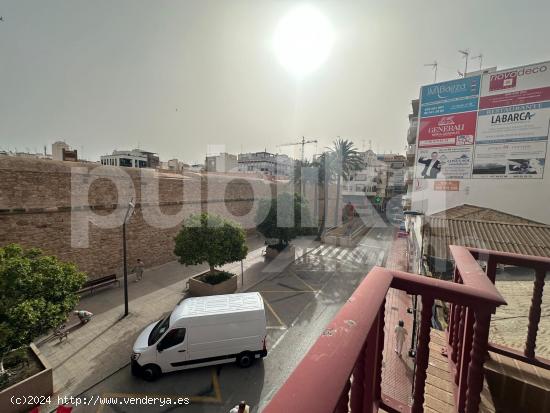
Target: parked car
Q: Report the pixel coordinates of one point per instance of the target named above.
(203, 331)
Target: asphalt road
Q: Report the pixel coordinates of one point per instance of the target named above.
(300, 302)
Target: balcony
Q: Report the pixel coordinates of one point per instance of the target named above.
(342, 372)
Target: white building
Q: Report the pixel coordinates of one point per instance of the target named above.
(135, 158)
(224, 162)
(266, 163)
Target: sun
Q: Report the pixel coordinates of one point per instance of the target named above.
(303, 40)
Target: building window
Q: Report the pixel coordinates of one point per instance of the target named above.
(125, 162)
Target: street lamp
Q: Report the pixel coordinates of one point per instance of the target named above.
(129, 213)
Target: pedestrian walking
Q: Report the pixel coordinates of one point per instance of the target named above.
(400, 333)
(242, 407)
(138, 269)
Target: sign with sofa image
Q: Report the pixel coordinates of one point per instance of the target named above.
(444, 163)
(518, 160)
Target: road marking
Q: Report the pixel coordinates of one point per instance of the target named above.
(303, 282)
(217, 398)
(316, 250)
(273, 312)
(333, 252)
(325, 250)
(341, 255)
(288, 291)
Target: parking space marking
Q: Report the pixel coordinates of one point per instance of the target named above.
(281, 322)
(303, 282)
(217, 398)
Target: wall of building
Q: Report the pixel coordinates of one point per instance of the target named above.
(527, 198)
(36, 210)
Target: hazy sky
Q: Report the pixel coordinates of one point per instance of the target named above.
(106, 75)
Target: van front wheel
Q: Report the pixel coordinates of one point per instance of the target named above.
(151, 372)
(245, 359)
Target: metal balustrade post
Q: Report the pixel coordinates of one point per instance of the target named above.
(343, 402)
(378, 378)
(451, 324)
(477, 358)
(465, 359)
(422, 354)
(373, 363)
(534, 313)
(491, 270)
(456, 330)
(460, 344)
(358, 384)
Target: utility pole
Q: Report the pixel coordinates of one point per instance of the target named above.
(465, 54)
(434, 67)
(129, 213)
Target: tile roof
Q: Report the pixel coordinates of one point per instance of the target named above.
(495, 230)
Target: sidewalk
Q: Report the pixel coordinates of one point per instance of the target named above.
(397, 374)
(98, 349)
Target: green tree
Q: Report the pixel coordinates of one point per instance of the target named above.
(283, 218)
(347, 159)
(212, 239)
(37, 292)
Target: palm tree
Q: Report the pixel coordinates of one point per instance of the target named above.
(326, 173)
(347, 159)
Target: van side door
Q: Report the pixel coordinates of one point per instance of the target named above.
(172, 350)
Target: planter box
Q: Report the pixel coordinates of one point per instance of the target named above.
(289, 253)
(39, 386)
(199, 288)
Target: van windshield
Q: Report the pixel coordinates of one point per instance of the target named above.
(159, 329)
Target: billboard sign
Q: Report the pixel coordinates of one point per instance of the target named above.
(520, 160)
(445, 98)
(444, 163)
(451, 90)
(447, 130)
(452, 186)
(529, 122)
(516, 86)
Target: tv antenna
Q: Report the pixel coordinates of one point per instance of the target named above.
(480, 57)
(465, 54)
(434, 68)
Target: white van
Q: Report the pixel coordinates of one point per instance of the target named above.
(203, 331)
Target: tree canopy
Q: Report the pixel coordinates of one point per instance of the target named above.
(286, 217)
(212, 239)
(37, 292)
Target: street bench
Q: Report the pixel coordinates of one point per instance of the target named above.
(98, 283)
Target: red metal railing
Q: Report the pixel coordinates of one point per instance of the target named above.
(541, 266)
(342, 372)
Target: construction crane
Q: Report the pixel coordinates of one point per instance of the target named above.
(303, 143)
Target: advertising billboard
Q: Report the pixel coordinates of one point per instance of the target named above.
(452, 186)
(444, 163)
(518, 86)
(510, 160)
(448, 130)
(513, 123)
(529, 122)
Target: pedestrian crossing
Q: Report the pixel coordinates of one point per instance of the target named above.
(361, 254)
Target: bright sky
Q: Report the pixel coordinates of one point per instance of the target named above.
(176, 76)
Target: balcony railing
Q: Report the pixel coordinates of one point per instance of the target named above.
(342, 372)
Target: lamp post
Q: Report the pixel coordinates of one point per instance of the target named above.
(129, 213)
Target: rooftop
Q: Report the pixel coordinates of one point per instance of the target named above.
(485, 228)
